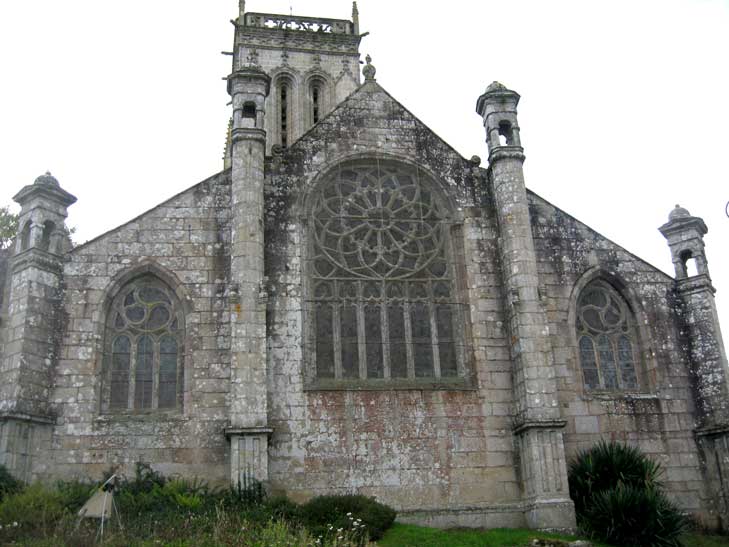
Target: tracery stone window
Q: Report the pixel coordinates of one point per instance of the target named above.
(383, 293)
(607, 339)
(144, 348)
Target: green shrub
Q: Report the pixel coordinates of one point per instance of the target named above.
(73, 494)
(8, 483)
(282, 508)
(324, 513)
(35, 511)
(245, 494)
(619, 499)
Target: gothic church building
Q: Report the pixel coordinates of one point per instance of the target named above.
(351, 306)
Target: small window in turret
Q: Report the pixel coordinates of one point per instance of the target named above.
(249, 110)
(689, 264)
(25, 236)
(506, 134)
(48, 228)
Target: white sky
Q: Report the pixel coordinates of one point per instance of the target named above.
(624, 108)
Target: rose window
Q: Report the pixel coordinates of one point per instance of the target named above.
(382, 286)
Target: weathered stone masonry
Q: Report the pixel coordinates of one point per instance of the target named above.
(351, 306)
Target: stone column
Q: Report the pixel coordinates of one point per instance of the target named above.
(248, 431)
(538, 423)
(34, 327)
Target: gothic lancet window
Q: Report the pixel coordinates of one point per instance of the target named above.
(144, 348)
(382, 289)
(607, 339)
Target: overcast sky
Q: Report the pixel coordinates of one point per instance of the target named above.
(624, 110)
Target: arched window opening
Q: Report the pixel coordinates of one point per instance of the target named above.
(48, 228)
(689, 264)
(383, 297)
(315, 102)
(144, 335)
(249, 110)
(284, 99)
(607, 339)
(506, 134)
(25, 236)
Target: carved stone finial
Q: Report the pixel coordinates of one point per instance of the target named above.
(496, 86)
(369, 70)
(678, 212)
(47, 180)
(355, 18)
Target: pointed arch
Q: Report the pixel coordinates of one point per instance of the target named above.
(318, 96)
(285, 103)
(384, 299)
(611, 343)
(144, 342)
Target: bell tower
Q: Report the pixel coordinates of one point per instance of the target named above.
(313, 63)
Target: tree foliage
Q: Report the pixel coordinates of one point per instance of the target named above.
(8, 227)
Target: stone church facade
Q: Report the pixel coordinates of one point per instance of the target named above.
(351, 306)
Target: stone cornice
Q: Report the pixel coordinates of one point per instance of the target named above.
(538, 424)
(35, 257)
(696, 284)
(243, 431)
(506, 152)
(52, 193)
(711, 430)
(248, 134)
(23, 417)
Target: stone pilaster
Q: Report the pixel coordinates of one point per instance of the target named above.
(248, 431)
(538, 427)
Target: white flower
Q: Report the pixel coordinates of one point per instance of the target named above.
(340, 529)
(349, 514)
(15, 523)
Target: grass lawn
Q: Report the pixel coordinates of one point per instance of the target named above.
(408, 535)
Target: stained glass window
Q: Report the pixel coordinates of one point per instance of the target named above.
(607, 339)
(144, 334)
(382, 290)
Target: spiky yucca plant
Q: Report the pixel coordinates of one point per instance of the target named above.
(619, 499)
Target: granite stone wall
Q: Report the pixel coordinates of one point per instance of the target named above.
(659, 417)
(185, 242)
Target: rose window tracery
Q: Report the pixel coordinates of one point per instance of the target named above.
(382, 283)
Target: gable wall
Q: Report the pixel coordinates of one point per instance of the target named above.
(659, 418)
(188, 237)
(414, 449)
